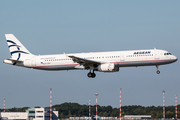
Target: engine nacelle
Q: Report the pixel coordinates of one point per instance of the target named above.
(108, 68)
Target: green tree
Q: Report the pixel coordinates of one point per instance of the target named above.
(61, 115)
(69, 114)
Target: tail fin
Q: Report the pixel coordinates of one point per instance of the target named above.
(17, 50)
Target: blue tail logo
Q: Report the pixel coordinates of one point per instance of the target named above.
(18, 49)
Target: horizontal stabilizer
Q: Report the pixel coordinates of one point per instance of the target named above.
(12, 61)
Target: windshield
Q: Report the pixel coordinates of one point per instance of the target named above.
(167, 54)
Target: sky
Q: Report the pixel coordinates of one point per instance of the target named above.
(76, 26)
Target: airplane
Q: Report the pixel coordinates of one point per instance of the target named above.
(93, 61)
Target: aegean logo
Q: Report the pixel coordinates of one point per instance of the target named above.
(18, 49)
(142, 52)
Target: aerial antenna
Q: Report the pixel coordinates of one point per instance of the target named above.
(163, 104)
(89, 107)
(96, 104)
(50, 103)
(120, 104)
(176, 106)
(4, 104)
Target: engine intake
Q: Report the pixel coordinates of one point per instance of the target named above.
(108, 68)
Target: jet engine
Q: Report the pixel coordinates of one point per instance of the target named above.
(108, 68)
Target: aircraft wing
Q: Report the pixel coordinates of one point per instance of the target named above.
(83, 61)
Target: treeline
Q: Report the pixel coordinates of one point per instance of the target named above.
(76, 110)
(15, 109)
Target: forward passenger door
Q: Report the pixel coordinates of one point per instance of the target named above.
(122, 58)
(156, 54)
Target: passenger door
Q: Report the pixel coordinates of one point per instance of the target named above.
(122, 57)
(156, 54)
(33, 61)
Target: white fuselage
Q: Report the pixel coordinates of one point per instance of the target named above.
(94, 61)
(132, 58)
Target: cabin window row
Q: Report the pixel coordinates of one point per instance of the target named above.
(57, 59)
(101, 57)
(84, 58)
(139, 55)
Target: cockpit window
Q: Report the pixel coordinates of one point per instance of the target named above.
(167, 54)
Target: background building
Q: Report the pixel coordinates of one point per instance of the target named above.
(15, 115)
(31, 114)
(137, 117)
(36, 113)
(54, 114)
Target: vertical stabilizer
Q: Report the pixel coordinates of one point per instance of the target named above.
(17, 50)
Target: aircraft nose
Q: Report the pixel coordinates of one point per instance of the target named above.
(174, 57)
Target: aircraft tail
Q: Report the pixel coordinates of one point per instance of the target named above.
(17, 50)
